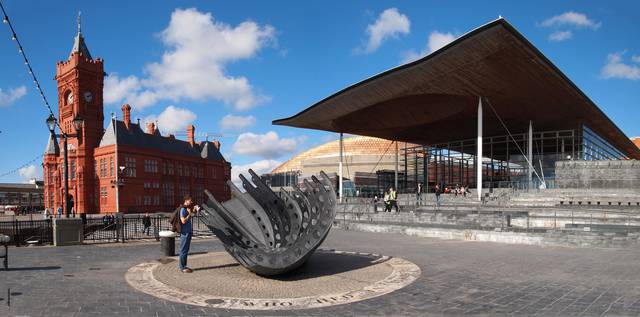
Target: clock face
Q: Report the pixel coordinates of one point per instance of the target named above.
(88, 96)
(70, 98)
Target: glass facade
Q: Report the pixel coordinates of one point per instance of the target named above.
(505, 159)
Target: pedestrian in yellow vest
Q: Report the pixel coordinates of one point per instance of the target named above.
(393, 198)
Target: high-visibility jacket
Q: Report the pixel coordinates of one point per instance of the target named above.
(394, 195)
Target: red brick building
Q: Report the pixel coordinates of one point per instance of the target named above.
(158, 170)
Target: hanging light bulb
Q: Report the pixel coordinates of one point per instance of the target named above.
(5, 20)
(13, 37)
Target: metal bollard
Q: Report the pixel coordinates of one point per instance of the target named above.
(168, 243)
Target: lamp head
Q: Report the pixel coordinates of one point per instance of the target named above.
(51, 123)
(77, 123)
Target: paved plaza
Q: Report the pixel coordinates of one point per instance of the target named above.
(458, 278)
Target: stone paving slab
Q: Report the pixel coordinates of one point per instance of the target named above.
(458, 278)
(330, 277)
(218, 274)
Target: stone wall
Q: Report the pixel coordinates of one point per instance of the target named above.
(598, 174)
(550, 238)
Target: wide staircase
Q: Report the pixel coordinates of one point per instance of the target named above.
(566, 217)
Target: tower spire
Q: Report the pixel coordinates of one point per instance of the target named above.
(78, 44)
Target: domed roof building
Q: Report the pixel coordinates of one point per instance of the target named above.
(365, 158)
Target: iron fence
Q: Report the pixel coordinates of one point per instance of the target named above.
(97, 230)
(132, 227)
(23, 232)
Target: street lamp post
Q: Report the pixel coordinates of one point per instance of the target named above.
(117, 183)
(77, 124)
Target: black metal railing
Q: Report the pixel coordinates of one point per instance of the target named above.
(132, 227)
(100, 230)
(24, 232)
(97, 230)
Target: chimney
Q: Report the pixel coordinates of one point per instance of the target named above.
(151, 128)
(171, 136)
(191, 134)
(216, 143)
(126, 115)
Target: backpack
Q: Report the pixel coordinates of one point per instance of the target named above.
(176, 224)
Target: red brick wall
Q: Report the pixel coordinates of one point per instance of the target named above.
(152, 188)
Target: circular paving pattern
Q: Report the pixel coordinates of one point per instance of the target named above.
(328, 278)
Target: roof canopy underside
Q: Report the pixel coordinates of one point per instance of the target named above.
(435, 99)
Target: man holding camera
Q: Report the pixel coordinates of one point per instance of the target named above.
(188, 210)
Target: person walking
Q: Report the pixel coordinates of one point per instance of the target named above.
(387, 201)
(59, 212)
(146, 223)
(419, 194)
(186, 231)
(438, 191)
(393, 199)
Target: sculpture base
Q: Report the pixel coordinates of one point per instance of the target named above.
(328, 278)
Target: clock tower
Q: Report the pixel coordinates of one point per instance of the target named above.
(80, 83)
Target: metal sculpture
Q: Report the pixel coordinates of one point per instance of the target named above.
(271, 233)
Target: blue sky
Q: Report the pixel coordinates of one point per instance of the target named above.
(249, 62)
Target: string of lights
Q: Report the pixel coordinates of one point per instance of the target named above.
(16, 170)
(14, 37)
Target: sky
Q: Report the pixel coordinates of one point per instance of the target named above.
(231, 67)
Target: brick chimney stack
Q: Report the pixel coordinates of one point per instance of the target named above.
(191, 131)
(151, 128)
(126, 115)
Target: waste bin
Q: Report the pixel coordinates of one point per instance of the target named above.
(168, 243)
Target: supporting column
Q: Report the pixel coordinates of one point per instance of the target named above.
(479, 152)
(117, 167)
(530, 155)
(340, 170)
(425, 165)
(396, 172)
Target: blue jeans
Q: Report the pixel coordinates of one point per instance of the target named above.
(185, 243)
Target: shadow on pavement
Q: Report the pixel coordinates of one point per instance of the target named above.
(325, 263)
(34, 268)
(217, 267)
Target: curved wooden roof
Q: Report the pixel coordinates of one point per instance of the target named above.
(434, 99)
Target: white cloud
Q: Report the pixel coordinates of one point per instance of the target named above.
(571, 18)
(117, 89)
(197, 49)
(437, 40)
(559, 36)
(390, 24)
(616, 68)
(231, 122)
(635, 58)
(260, 167)
(172, 119)
(29, 172)
(13, 94)
(268, 145)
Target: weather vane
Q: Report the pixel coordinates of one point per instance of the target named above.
(79, 29)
